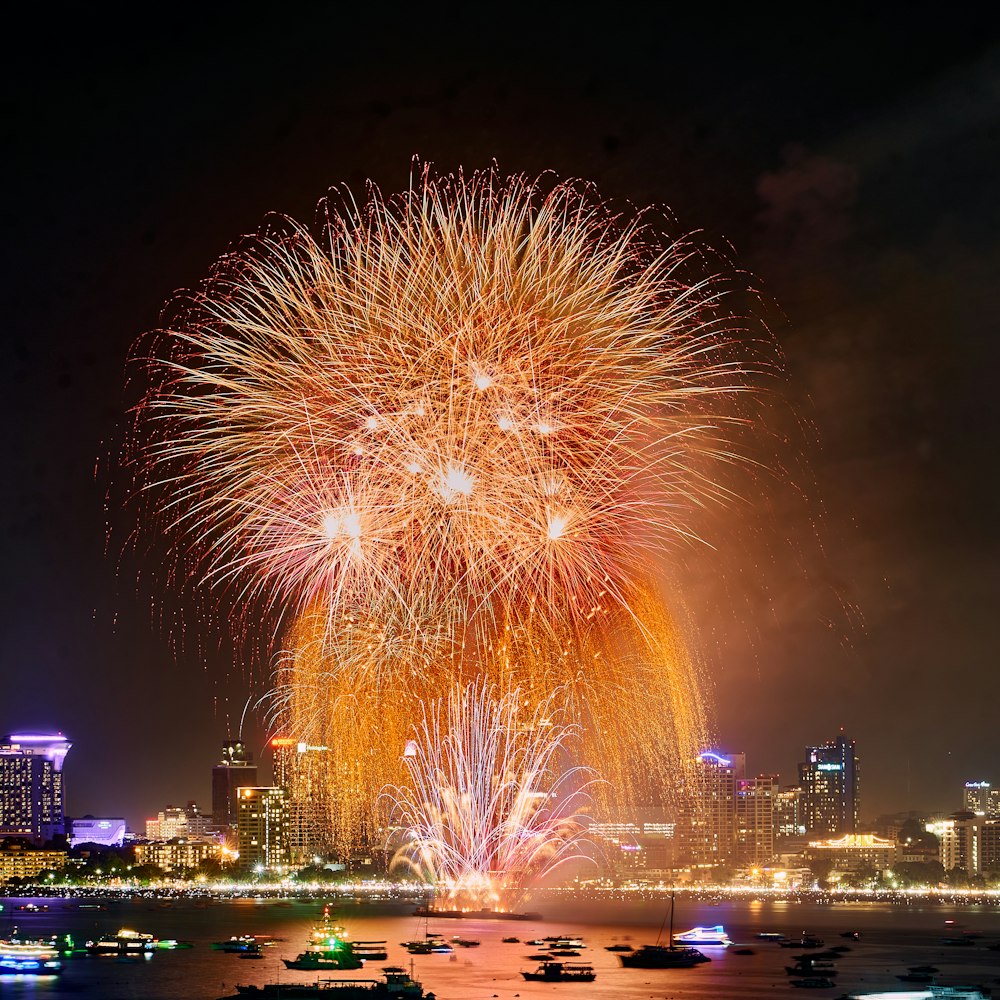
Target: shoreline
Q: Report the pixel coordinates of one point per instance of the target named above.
(404, 895)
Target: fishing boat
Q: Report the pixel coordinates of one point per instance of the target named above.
(618, 947)
(466, 942)
(561, 972)
(661, 956)
(327, 948)
(29, 957)
(510, 940)
(396, 984)
(705, 936)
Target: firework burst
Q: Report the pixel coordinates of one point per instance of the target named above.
(489, 804)
(458, 436)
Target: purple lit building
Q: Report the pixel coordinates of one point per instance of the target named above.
(31, 785)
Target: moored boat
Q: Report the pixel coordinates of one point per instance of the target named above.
(370, 951)
(659, 956)
(704, 936)
(395, 984)
(29, 957)
(327, 948)
(244, 942)
(562, 972)
(125, 942)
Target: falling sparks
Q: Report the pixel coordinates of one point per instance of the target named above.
(455, 439)
(488, 804)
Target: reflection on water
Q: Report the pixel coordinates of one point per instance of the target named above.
(892, 938)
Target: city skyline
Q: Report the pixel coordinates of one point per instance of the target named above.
(282, 757)
(858, 197)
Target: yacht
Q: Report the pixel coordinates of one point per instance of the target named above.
(30, 957)
(125, 942)
(662, 956)
(705, 936)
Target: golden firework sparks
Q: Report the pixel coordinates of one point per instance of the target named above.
(458, 436)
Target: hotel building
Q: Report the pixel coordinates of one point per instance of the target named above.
(829, 781)
(31, 786)
(262, 827)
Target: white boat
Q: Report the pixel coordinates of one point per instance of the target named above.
(705, 936)
(32, 958)
(930, 993)
(125, 942)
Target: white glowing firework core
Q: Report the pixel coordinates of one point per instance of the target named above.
(454, 481)
(490, 806)
(557, 526)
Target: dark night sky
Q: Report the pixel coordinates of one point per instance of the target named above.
(852, 164)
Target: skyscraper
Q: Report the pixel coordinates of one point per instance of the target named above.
(979, 798)
(788, 813)
(297, 768)
(755, 818)
(262, 825)
(829, 781)
(707, 831)
(236, 769)
(31, 786)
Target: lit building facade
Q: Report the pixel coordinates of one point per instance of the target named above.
(31, 786)
(107, 831)
(262, 827)
(755, 818)
(174, 822)
(788, 819)
(179, 853)
(989, 845)
(981, 798)
(707, 831)
(642, 844)
(236, 769)
(829, 779)
(299, 769)
(854, 852)
(16, 862)
(968, 842)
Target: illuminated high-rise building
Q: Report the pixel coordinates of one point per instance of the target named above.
(788, 821)
(707, 831)
(755, 818)
(981, 798)
(236, 769)
(299, 769)
(262, 827)
(829, 781)
(31, 786)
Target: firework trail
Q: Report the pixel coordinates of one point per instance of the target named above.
(489, 804)
(458, 436)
